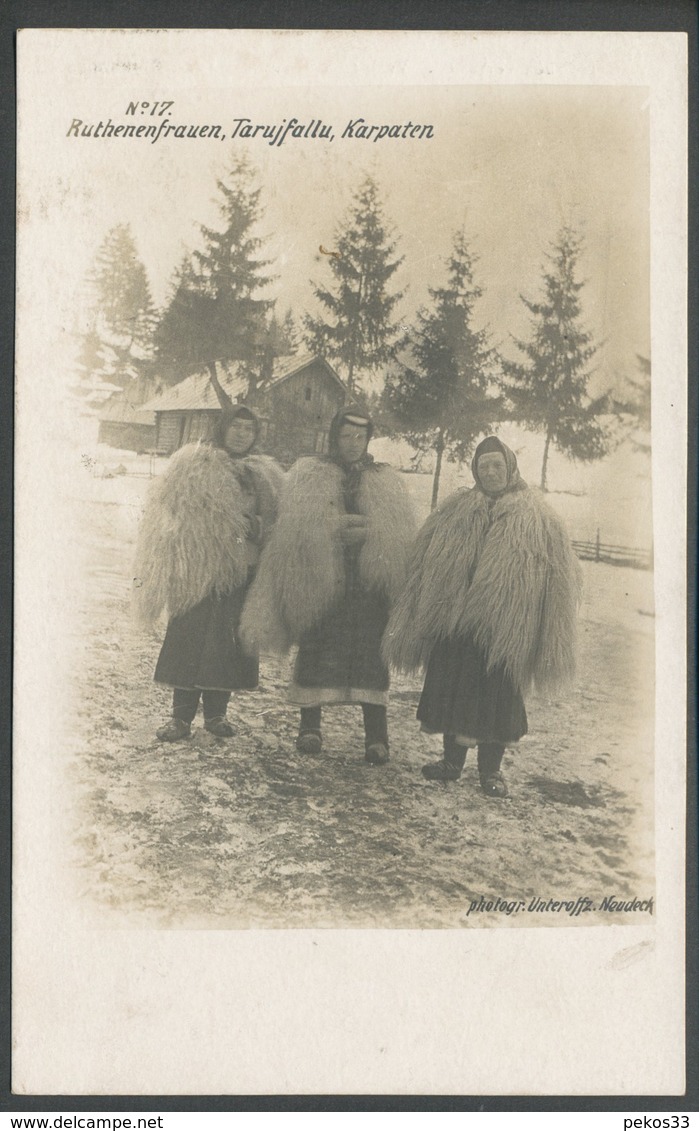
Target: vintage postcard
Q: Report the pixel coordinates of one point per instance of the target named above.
(350, 614)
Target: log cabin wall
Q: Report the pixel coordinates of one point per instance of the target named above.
(300, 410)
(128, 437)
(169, 431)
(295, 416)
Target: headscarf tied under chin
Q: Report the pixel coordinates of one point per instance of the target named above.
(492, 444)
(350, 414)
(223, 423)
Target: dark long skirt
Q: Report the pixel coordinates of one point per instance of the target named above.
(344, 650)
(201, 648)
(461, 697)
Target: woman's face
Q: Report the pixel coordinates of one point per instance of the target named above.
(352, 441)
(492, 472)
(240, 435)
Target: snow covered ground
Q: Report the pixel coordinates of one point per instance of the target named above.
(247, 832)
(612, 495)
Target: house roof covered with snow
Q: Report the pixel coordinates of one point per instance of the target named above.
(289, 365)
(120, 410)
(195, 393)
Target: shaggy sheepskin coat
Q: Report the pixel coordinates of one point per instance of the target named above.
(195, 526)
(302, 573)
(501, 572)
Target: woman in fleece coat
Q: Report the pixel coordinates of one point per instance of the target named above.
(489, 608)
(335, 563)
(204, 523)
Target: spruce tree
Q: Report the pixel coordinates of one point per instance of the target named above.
(214, 313)
(90, 360)
(442, 396)
(181, 337)
(92, 384)
(549, 389)
(280, 334)
(641, 393)
(356, 328)
(634, 411)
(123, 317)
(288, 336)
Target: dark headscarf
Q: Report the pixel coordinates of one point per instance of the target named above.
(350, 414)
(492, 444)
(224, 421)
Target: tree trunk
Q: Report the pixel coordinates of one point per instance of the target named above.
(439, 447)
(224, 399)
(355, 324)
(546, 459)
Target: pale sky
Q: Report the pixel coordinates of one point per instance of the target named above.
(510, 164)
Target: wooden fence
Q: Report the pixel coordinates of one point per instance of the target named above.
(596, 551)
(599, 551)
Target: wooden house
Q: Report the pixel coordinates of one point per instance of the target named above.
(126, 426)
(295, 404)
(124, 422)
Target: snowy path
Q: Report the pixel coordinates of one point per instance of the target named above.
(247, 832)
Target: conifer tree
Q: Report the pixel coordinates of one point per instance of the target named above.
(641, 393)
(288, 337)
(181, 337)
(280, 334)
(91, 360)
(634, 411)
(214, 313)
(549, 389)
(92, 385)
(123, 317)
(356, 328)
(443, 396)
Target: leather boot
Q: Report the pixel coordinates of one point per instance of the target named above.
(449, 769)
(309, 739)
(174, 730)
(220, 726)
(490, 755)
(375, 734)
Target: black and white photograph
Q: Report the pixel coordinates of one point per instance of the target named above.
(350, 528)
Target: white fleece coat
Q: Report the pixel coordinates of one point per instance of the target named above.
(193, 533)
(302, 574)
(504, 574)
